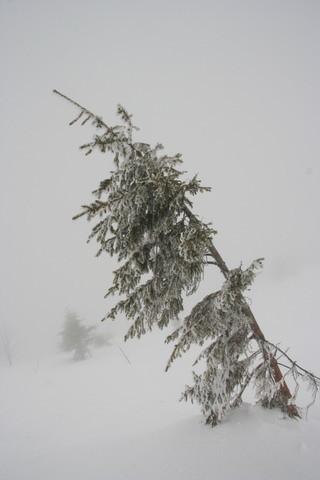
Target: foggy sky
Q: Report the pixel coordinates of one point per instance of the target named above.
(232, 85)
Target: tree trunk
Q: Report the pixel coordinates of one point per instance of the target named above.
(291, 409)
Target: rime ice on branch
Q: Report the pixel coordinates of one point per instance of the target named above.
(144, 217)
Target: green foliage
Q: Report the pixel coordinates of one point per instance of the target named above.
(145, 220)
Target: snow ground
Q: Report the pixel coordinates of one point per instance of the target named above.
(104, 418)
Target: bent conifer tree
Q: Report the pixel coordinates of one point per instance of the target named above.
(144, 217)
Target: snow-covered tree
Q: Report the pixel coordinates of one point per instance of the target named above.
(144, 216)
(76, 337)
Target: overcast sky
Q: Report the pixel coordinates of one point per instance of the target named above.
(232, 85)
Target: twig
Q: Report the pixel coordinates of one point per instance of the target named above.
(123, 354)
(292, 361)
(83, 109)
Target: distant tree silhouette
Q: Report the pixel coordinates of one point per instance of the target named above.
(8, 346)
(76, 337)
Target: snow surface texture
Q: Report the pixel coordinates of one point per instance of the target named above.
(104, 418)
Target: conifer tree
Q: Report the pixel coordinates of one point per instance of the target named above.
(144, 216)
(76, 337)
